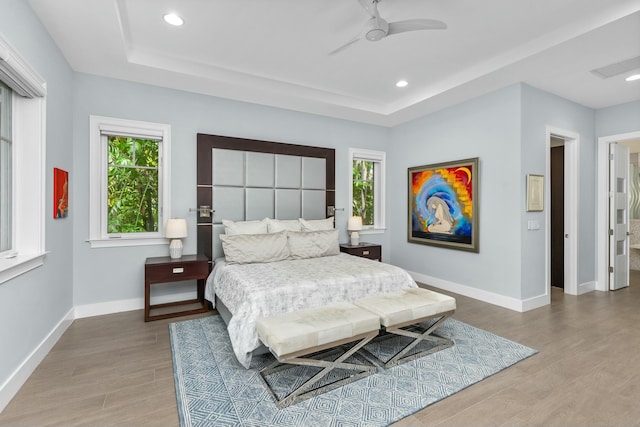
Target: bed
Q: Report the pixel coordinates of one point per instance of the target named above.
(253, 290)
(260, 188)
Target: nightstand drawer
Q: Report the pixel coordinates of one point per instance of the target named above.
(364, 250)
(176, 271)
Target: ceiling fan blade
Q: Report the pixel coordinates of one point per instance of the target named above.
(415, 25)
(344, 46)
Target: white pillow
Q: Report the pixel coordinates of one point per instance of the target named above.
(251, 248)
(244, 227)
(313, 244)
(277, 225)
(316, 224)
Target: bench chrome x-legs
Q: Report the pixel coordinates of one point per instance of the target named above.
(305, 391)
(412, 329)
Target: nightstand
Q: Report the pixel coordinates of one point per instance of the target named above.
(166, 269)
(364, 250)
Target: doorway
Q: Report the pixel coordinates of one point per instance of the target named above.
(557, 212)
(631, 169)
(603, 263)
(562, 215)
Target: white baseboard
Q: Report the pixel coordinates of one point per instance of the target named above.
(11, 386)
(583, 288)
(479, 294)
(535, 302)
(102, 308)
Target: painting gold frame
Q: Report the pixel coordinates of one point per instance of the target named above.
(443, 205)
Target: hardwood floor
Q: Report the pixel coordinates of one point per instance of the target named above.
(116, 370)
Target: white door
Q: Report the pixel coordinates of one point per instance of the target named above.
(618, 216)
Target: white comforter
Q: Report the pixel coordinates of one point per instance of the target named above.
(251, 291)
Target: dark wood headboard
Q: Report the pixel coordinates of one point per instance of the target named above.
(206, 143)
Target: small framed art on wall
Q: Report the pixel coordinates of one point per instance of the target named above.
(60, 193)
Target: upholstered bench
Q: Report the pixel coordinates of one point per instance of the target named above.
(401, 313)
(292, 336)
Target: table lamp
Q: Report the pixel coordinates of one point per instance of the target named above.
(353, 226)
(176, 229)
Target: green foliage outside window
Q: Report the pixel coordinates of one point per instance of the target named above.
(363, 190)
(132, 187)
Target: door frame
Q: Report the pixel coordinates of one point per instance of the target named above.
(602, 222)
(571, 213)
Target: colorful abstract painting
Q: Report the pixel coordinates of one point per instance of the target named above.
(443, 204)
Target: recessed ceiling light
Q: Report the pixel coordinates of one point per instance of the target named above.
(173, 19)
(402, 83)
(632, 78)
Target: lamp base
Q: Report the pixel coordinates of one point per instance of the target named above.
(175, 249)
(355, 238)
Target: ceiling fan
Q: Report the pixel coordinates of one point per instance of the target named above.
(376, 28)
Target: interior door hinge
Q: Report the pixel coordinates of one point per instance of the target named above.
(610, 269)
(610, 156)
(610, 232)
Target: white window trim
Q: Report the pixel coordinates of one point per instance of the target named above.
(28, 157)
(380, 189)
(98, 237)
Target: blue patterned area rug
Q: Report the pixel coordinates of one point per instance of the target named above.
(213, 389)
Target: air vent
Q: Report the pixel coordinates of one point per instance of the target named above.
(617, 68)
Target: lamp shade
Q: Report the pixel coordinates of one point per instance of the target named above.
(355, 223)
(176, 228)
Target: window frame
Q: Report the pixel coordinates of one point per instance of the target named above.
(100, 127)
(379, 179)
(28, 123)
(6, 175)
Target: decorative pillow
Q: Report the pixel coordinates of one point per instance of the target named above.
(313, 244)
(244, 227)
(316, 224)
(252, 248)
(276, 225)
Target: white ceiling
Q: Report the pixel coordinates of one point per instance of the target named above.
(276, 52)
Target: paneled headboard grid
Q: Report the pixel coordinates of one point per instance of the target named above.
(244, 179)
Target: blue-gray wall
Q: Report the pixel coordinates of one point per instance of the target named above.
(113, 274)
(487, 127)
(507, 130)
(33, 303)
(618, 119)
(539, 110)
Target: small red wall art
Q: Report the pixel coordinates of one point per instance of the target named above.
(60, 193)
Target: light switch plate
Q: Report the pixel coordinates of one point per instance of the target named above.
(533, 225)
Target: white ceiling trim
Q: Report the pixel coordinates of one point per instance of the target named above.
(355, 85)
(511, 57)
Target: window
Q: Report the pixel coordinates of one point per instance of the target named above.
(22, 164)
(367, 190)
(129, 199)
(132, 185)
(6, 224)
